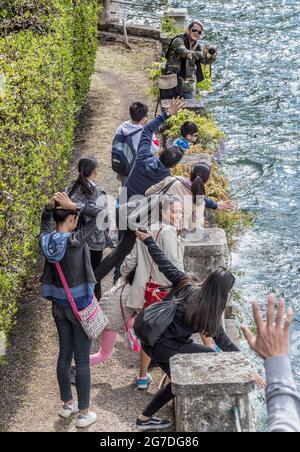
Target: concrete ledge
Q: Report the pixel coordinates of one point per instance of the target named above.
(196, 159)
(133, 30)
(190, 104)
(208, 387)
(206, 242)
(212, 373)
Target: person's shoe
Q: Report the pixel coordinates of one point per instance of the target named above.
(153, 423)
(68, 410)
(144, 383)
(87, 420)
(73, 375)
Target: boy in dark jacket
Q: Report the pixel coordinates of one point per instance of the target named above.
(147, 171)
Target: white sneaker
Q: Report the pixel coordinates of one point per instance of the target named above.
(87, 420)
(68, 410)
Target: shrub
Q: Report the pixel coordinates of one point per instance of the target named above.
(210, 136)
(47, 51)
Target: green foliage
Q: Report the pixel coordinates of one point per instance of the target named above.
(210, 136)
(218, 189)
(169, 27)
(45, 70)
(206, 84)
(156, 72)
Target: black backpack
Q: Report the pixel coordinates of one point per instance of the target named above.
(151, 324)
(123, 153)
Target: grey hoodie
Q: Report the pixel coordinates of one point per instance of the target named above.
(128, 127)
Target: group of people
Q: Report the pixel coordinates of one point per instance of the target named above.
(74, 233)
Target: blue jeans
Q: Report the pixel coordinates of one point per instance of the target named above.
(72, 342)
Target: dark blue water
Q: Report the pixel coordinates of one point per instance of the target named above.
(256, 101)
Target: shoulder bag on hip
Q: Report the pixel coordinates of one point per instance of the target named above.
(92, 318)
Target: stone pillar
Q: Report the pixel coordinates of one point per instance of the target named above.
(205, 251)
(105, 13)
(179, 15)
(208, 388)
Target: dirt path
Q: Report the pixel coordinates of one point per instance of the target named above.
(29, 399)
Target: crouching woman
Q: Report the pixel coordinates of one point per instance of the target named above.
(199, 310)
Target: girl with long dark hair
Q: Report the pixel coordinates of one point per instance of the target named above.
(83, 191)
(199, 310)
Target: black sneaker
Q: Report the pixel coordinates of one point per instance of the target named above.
(153, 423)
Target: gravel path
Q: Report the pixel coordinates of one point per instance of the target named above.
(29, 399)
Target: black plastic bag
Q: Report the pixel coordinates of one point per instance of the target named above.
(151, 324)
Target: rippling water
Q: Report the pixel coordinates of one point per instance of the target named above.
(256, 101)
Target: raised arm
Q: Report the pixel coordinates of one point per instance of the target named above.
(172, 273)
(78, 238)
(144, 150)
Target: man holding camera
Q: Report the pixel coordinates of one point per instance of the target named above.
(185, 58)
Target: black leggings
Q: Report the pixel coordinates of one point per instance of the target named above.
(96, 259)
(162, 355)
(117, 256)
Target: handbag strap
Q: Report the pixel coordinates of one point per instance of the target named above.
(67, 290)
(122, 307)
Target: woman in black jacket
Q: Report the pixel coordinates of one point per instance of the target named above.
(199, 310)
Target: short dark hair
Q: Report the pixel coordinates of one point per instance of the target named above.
(171, 156)
(188, 128)
(60, 215)
(138, 111)
(196, 22)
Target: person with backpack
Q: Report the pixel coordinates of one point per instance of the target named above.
(148, 169)
(185, 58)
(63, 243)
(84, 191)
(127, 140)
(166, 329)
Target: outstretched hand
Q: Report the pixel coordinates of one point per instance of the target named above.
(176, 106)
(272, 337)
(226, 206)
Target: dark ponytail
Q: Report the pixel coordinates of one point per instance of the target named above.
(86, 166)
(199, 176)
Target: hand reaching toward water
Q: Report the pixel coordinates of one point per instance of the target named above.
(226, 206)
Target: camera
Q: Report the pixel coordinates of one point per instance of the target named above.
(212, 51)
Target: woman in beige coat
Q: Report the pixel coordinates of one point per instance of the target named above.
(169, 239)
(130, 289)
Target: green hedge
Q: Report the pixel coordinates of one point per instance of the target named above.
(47, 53)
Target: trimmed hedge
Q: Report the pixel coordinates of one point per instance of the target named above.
(47, 53)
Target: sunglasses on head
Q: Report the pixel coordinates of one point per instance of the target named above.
(199, 32)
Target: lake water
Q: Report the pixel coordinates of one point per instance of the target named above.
(256, 102)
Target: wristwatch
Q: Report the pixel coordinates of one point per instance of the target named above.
(168, 114)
